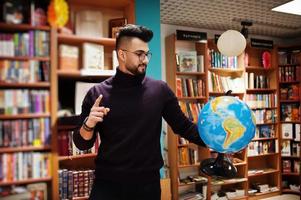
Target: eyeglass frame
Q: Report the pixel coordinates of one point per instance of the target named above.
(141, 55)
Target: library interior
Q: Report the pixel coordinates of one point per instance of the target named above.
(161, 99)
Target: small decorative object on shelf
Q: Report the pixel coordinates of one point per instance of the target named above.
(114, 26)
(266, 59)
(13, 12)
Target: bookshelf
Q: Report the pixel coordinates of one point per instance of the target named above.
(68, 167)
(184, 157)
(261, 95)
(227, 73)
(289, 69)
(25, 110)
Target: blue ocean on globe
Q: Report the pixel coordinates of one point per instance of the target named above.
(226, 124)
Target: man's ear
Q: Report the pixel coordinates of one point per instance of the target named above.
(121, 55)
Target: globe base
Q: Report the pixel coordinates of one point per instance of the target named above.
(219, 167)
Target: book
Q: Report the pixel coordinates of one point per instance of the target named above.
(187, 61)
(287, 131)
(68, 57)
(93, 56)
(88, 23)
(286, 166)
(81, 89)
(286, 148)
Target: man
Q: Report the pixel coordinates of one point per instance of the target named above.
(126, 110)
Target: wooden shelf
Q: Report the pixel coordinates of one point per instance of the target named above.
(240, 164)
(265, 172)
(264, 108)
(230, 181)
(290, 191)
(191, 98)
(289, 82)
(262, 155)
(75, 39)
(116, 4)
(227, 71)
(291, 157)
(190, 73)
(290, 174)
(25, 85)
(79, 73)
(22, 27)
(80, 198)
(77, 157)
(187, 166)
(290, 101)
(269, 194)
(223, 93)
(290, 122)
(261, 90)
(24, 58)
(262, 139)
(27, 181)
(24, 149)
(259, 69)
(24, 116)
(288, 65)
(266, 124)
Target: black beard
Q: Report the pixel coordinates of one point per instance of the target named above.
(135, 71)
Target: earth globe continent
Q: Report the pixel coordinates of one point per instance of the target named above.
(226, 124)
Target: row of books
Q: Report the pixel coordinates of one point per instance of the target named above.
(93, 56)
(24, 165)
(25, 132)
(291, 58)
(218, 60)
(225, 194)
(217, 83)
(189, 61)
(31, 43)
(256, 101)
(253, 81)
(20, 101)
(258, 187)
(290, 73)
(262, 147)
(290, 148)
(265, 116)
(67, 147)
(290, 131)
(188, 156)
(30, 191)
(191, 109)
(265, 131)
(290, 92)
(75, 183)
(24, 71)
(189, 87)
(290, 112)
(289, 166)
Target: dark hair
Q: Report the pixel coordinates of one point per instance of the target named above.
(131, 30)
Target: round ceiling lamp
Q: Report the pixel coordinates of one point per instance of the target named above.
(231, 43)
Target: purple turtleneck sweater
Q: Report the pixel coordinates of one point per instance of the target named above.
(130, 133)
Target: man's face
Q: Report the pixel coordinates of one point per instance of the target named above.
(134, 53)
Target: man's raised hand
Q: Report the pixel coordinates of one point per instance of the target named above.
(97, 113)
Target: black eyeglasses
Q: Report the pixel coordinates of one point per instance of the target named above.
(141, 54)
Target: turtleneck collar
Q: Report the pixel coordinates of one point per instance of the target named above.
(124, 80)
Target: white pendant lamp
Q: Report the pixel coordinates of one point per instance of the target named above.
(231, 43)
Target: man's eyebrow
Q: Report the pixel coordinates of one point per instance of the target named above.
(142, 51)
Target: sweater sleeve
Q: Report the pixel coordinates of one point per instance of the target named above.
(78, 140)
(177, 120)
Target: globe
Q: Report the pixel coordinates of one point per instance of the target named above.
(226, 124)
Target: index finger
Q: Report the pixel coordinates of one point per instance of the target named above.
(98, 100)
